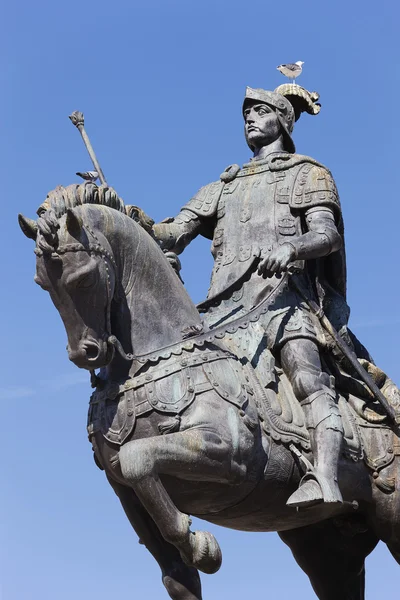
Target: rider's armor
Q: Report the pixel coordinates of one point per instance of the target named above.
(265, 203)
(284, 198)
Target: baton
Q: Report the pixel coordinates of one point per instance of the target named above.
(78, 120)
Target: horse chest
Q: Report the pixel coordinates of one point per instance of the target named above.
(161, 395)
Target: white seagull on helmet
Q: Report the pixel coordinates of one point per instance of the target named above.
(291, 70)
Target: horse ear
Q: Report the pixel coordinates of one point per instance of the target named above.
(74, 223)
(29, 227)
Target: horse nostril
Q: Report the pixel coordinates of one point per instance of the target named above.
(92, 351)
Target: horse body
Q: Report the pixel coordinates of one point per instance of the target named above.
(179, 433)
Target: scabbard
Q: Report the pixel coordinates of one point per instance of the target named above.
(393, 415)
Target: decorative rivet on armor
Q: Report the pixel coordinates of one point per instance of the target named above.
(375, 474)
(190, 389)
(241, 413)
(390, 450)
(130, 413)
(148, 377)
(184, 363)
(163, 406)
(155, 402)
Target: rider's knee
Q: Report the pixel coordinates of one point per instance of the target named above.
(305, 384)
(322, 407)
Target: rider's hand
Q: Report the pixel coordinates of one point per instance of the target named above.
(175, 263)
(277, 260)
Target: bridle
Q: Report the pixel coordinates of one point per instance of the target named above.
(109, 262)
(198, 339)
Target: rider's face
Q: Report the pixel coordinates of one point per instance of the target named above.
(261, 125)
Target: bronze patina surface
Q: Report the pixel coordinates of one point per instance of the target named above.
(259, 409)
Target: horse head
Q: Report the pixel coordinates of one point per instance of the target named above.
(93, 258)
(75, 264)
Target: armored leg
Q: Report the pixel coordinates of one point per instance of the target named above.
(302, 365)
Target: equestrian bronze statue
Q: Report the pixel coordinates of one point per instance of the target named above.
(259, 409)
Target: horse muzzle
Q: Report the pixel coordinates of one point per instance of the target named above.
(91, 354)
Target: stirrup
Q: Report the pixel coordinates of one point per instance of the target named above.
(315, 489)
(308, 494)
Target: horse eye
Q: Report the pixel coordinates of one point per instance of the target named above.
(86, 281)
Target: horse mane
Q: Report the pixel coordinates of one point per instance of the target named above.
(62, 199)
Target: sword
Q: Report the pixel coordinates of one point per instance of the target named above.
(393, 415)
(78, 120)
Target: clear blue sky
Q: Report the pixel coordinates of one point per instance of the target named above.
(161, 84)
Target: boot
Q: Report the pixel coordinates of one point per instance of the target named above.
(326, 432)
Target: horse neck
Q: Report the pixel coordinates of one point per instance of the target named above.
(152, 306)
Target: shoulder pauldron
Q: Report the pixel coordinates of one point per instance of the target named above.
(314, 186)
(204, 203)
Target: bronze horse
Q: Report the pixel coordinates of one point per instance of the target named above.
(178, 422)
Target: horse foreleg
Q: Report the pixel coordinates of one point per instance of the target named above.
(181, 581)
(333, 557)
(193, 454)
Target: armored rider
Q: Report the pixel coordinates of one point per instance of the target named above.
(280, 209)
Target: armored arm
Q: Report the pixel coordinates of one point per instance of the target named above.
(322, 236)
(175, 234)
(316, 202)
(319, 207)
(198, 216)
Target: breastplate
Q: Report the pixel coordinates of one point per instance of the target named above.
(253, 216)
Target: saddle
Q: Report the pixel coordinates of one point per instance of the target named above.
(368, 435)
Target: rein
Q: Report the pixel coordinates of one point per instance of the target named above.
(197, 340)
(218, 332)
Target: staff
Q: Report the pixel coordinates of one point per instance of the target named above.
(78, 120)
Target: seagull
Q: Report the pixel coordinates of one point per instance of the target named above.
(291, 70)
(88, 175)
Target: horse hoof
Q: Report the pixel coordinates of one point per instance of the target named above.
(206, 553)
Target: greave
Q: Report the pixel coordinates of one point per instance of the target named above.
(324, 423)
